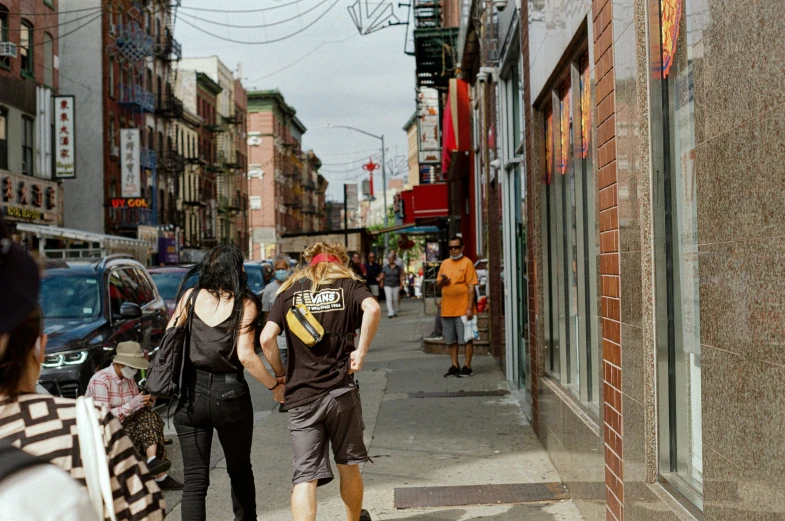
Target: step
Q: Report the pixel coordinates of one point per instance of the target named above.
(438, 347)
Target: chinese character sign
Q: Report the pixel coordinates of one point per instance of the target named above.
(129, 162)
(65, 157)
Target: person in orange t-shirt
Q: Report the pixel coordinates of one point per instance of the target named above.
(457, 279)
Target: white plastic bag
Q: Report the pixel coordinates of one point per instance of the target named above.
(470, 331)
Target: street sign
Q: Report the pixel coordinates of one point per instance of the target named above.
(65, 156)
(130, 149)
(350, 192)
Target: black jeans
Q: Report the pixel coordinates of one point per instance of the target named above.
(213, 403)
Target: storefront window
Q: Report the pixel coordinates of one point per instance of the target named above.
(26, 47)
(676, 243)
(570, 236)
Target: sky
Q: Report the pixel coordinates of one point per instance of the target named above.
(328, 72)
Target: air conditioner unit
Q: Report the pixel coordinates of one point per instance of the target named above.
(7, 50)
(254, 141)
(114, 150)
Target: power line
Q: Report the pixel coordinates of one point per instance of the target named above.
(52, 13)
(301, 58)
(59, 36)
(259, 10)
(274, 40)
(34, 28)
(258, 26)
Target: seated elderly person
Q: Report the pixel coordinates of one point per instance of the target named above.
(116, 388)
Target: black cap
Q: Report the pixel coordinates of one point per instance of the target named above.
(19, 282)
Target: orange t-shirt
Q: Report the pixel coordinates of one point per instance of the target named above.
(455, 295)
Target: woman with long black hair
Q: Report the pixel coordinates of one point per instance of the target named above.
(216, 394)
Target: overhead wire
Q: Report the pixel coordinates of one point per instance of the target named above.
(258, 26)
(59, 24)
(259, 10)
(54, 13)
(274, 40)
(303, 57)
(62, 35)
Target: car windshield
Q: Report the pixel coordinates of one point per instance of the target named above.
(255, 283)
(167, 283)
(73, 296)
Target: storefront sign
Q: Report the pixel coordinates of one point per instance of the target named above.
(30, 199)
(566, 120)
(671, 18)
(130, 202)
(65, 157)
(129, 162)
(167, 250)
(428, 128)
(350, 193)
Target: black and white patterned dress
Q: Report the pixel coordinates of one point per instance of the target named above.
(46, 426)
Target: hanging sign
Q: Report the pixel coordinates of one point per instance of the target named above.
(671, 18)
(129, 162)
(65, 157)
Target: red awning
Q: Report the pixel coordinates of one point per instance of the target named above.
(456, 125)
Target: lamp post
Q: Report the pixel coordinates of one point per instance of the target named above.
(384, 175)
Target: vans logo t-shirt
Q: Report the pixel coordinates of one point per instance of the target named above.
(323, 301)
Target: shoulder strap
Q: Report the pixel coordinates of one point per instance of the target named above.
(13, 460)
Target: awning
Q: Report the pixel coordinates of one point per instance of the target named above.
(456, 124)
(54, 232)
(410, 229)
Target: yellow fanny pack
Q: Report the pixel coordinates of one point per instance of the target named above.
(304, 325)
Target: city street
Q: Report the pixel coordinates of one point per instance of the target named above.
(413, 441)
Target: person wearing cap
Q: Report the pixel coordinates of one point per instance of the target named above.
(44, 427)
(116, 388)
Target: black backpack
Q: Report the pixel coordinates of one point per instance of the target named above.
(165, 376)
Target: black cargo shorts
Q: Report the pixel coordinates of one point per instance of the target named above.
(334, 418)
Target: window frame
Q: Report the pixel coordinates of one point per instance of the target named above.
(5, 62)
(29, 71)
(28, 149)
(49, 57)
(569, 232)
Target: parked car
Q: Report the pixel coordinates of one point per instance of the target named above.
(90, 306)
(167, 280)
(259, 274)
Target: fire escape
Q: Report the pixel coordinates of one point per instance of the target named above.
(434, 45)
(229, 167)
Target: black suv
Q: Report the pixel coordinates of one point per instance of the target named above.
(89, 307)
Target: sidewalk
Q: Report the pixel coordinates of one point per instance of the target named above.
(415, 441)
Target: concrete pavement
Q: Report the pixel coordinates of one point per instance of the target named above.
(414, 441)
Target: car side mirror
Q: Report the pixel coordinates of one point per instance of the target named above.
(130, 310)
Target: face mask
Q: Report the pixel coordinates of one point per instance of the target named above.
(129, 372)
(456, 257)
(281, 275)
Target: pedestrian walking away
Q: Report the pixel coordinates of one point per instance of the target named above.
(322, 305)
(457, 279)
(116, 388)
(373, 274)
(43, 430)
(392, 275)
(216, 396)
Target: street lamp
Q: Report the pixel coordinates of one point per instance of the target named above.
(384, 174)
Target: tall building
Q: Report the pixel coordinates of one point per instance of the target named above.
(284, 182)
(29, 77)
(227, 169)
(121, 75)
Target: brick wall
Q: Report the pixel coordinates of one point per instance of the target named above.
(531, 223)
(609, 257)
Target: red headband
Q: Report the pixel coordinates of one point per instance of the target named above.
(325, 257)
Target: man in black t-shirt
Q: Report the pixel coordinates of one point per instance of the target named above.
(320, 394)
(373, 272)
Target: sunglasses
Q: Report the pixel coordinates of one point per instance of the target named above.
(455, 247)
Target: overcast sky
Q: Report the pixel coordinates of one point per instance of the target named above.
(328, 73)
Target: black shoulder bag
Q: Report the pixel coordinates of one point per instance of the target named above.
(165, 376)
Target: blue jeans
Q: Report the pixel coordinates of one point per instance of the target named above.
(221, 403)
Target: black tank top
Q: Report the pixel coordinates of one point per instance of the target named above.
(213, 349)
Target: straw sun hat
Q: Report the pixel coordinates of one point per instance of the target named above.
(131, 354)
